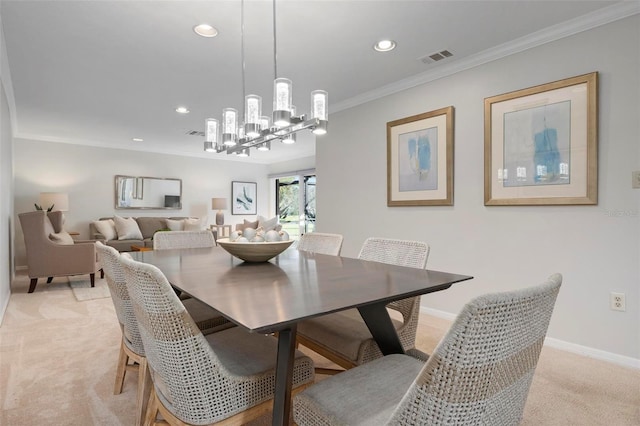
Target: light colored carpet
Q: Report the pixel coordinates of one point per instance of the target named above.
(58, 359)
(82, 290)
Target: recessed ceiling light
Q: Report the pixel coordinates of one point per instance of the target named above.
(182, 110)
(137, 139)
(205, 30)
(384, 45)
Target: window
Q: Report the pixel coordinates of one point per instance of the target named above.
(296, 204)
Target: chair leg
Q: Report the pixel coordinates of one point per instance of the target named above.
(144, 391)
(92, 277)
(101, 273)
(123, 358)
(152, 409)
(32, 285)
(49, 279)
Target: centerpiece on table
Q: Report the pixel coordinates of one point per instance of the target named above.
(256, 245)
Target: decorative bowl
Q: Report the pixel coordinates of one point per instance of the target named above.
(254, 252)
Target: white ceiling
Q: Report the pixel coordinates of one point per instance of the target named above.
(103, 72)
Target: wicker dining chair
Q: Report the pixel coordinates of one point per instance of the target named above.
(183, 239)
(322, 243)
(343, 337)
(479, 374)
(131, 348)
(226, 377)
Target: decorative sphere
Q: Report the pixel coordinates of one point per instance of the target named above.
(284, 235)
(242, 240)
(257, 239)
(234, 235)
(249, 233)
(272, 236)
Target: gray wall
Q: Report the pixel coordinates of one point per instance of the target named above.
(596, 248)
(87, 174)
(6, 185)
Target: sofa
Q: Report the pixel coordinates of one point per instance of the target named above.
(105, 230)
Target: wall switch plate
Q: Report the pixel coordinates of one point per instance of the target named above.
(635, 179)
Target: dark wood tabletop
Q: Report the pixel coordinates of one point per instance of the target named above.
(266, 297)
(274, 296)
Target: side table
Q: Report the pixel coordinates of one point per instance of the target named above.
(224, 231)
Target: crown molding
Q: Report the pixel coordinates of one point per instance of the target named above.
(586, 22)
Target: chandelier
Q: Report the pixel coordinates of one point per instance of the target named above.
(257, 131)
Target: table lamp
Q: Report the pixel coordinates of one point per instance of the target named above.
(54, 201)
(219, 204)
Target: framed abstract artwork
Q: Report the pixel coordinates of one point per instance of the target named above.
(244, 196)
(541, 144)
(420, 159)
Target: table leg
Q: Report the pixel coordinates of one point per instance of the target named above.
(379, 323)
(284, 376)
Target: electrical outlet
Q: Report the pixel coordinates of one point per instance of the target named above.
(635, 179)
(617, 302)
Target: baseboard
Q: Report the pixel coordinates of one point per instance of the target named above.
(622, 360)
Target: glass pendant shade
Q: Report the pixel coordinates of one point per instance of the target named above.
(229, 126)
(211, 134)
(253, 111)
(244, 152)
(264, 123)
(265, 146)
(282, 98)
(319, 110)
(208, 146)
(289, 139)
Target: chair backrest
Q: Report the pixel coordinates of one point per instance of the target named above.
(114, 274)
(413, 254)
(183, 239)
(318, 242)
(185, 370)
(481, 370)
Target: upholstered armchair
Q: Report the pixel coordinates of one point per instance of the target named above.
(51, 252)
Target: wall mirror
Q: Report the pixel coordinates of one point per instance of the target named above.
(143, 192)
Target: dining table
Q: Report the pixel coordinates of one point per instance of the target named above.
(274, 296)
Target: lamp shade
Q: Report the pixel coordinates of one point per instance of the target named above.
(57, 200)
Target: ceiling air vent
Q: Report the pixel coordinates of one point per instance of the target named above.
(194, 133)
(435, 57)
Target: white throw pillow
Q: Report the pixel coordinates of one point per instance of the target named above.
(127, 228)
(61, 238)
(267, 224)
(194, 224)
(107, 228)
(175, 225)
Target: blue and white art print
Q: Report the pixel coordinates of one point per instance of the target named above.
(420, 159)
(417, 160)
(244, 197)
(537, 145)
(541, 144)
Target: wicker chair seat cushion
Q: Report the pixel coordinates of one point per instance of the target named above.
(245, 370)
(342, 332)
(367, 395)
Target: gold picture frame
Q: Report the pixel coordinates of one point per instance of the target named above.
(420, 159)
(541, 144)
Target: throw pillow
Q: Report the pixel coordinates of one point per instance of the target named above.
(61, 238)
(248, 224)
(194, 224)
(107, 228)
(175, 225)
(127, 228)
(267, 224)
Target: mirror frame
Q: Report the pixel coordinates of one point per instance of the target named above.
(139, 181)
